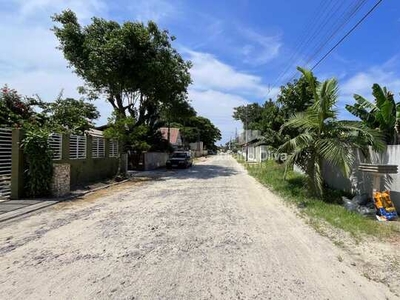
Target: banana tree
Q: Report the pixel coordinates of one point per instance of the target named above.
(324, 138)
(383, 114)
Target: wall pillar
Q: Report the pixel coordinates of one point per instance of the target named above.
(65, 147)
(107, 148)
(89, 146)
(17, 165)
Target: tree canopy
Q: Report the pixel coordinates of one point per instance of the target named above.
(295, 96)
(62, 115)
(132, 65)
(199, 128)
(69, 115)
(15, 110)
(322, 137)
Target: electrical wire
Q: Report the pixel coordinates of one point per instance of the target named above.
(330, 31)
(347, 34)
(320, 25)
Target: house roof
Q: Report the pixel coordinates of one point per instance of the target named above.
(173, 134)
(95, 132)
(251, 142)
(102, 127)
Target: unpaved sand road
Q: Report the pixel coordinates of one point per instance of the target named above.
(210, 232)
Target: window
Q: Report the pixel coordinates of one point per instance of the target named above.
(77, 147)
(179, 155)
(113, 148)
(55, 143)
(98, 147)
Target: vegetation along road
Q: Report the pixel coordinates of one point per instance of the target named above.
(208, 232)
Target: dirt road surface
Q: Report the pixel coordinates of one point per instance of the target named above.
(209, 232)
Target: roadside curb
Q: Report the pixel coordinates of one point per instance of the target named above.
(46, 203)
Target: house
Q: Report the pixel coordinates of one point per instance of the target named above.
(175, 138)
(197, 149)
(249, 140)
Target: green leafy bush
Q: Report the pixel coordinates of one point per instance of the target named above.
(39, 167)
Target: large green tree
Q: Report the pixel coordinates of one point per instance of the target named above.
(132, 65)
(250, 115)
(266, 118)
(199, 128)
(295, 96)
(383, 114)
(322, 137)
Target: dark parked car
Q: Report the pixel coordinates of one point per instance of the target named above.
(179, 160)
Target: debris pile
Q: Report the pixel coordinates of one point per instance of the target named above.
(362, 204)
(381, 206)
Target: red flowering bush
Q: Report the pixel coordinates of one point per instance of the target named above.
(14, 111)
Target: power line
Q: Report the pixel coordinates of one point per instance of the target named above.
(322, 34)
(347, 34)
(300, 42)
(337, 25)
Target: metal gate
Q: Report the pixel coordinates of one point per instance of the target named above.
(5, 162)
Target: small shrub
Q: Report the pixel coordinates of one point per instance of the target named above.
(39, 166)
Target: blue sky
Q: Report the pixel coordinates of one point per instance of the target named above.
(238, 47)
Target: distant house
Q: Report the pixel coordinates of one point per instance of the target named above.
(175, 138)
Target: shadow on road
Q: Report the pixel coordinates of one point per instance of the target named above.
(201, 171)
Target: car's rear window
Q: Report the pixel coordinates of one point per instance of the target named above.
(179, 155)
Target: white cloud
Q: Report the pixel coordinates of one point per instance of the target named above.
(218, 88)
(30, 62)
(218, 107)
(361, 83)
(30, 47)
(155, 10)
(262, 49)
(210, 73)
(84, 9)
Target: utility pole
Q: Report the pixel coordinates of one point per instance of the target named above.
(247, 146)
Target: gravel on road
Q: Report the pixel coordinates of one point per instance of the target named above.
(208, 232)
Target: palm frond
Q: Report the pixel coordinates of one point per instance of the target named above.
(366, 136)
(293, 158)
(364, 103)
(361, 113)
(307, 120)
(309, 76)
(299, 142)
(318, 180)
(379, 93)
(337, 153)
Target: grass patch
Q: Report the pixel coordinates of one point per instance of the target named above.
(328, 209)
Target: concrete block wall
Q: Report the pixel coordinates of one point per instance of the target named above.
(154, 160)
(360, 182)
(82, 171)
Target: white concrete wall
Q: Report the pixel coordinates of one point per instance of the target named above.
(154, 160)
(251, 156)
(360, 182)
(198, 146)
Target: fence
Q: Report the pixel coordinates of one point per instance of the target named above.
(360, 182)
(5, 162)
(91, 158)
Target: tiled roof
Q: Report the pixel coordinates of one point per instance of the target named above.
(173, 134)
